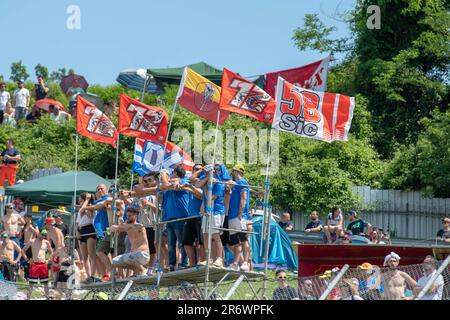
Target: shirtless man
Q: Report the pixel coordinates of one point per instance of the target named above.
(139, 256)
(11, 222)
(54, 234)
(395, 281)
(40, 247)
(62, 263)
(28, 233)
(7, 261)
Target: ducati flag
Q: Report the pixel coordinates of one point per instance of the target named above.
(93, 124)
(142, 121)
(200, 96)
(312, 76)
(242, 96)
(149, 156)
(311, 114)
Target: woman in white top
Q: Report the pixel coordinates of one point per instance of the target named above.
(334, 224)
(86, 233)
(9, 115)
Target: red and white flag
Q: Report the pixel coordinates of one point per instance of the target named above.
(312, 76)
(93, 124)
(317, 115)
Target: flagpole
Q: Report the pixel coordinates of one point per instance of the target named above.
(113, 242)
(74, 201)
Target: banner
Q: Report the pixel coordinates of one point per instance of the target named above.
(149, 155)
(316, 115)
(142, 121)
(200, 96)
(93, 124)
(242, 96)
(312, 76)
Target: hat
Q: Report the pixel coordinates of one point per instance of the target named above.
(352, 213)
(326, 275)
(445, 220)
(43, 232)
(50, 220)
(5, 235)
(390, 256)
(365, 266)
(20, 81)
(239, 167)
(9, 205)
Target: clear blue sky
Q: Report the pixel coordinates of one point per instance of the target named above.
(247, 36)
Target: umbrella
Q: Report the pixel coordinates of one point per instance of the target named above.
(45, 103)
(94, 99)
(73, 80)
(135, 79)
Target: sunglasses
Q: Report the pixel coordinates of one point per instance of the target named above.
(282, 278)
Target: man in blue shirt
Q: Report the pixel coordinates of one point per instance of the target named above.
(238, 216)
(176, 206)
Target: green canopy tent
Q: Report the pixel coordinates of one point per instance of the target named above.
(173, 75)
(56, 189)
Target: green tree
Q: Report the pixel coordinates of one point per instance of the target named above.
(58, 75)
(41, 70)
(18, 71)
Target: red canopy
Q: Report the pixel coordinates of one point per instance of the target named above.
(45, 103)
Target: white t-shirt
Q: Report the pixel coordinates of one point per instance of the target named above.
(21, 96)
(334, 221)
(147, 216)
(440, 283)
(85, 220)
(4, 98)
(61, 117)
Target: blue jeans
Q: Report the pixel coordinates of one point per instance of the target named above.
(174, 234)
(21, 112)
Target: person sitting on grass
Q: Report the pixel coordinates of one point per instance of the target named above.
(284, 291)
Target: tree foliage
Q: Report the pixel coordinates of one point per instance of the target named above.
(18, 71)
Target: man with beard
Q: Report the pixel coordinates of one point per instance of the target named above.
(11, 222)
(139, 256)
(315, 225)
(7, 261)
(394, 280)
(28, 233)
(54, 235)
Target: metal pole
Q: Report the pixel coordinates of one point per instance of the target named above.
(114, 237)
(433, 278)
(334, 282)
(125, 290)
(145, 86)
(159, 231)
(132, 179)
(266, 195)
(234, 287)
(72, 245)
(266, 254)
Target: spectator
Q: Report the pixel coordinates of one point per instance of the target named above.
(306, 291)
(436, 289)
(357, 226)
(376, 235)
(444, 233)
(5, 99)
(73, 93)
(60, 224)
(33, 116)
(350, 289)
(334, 225)
(370, 281)
(57, 115)
(7, 252)
(284, 291)
(19, 207)
(11, 222)
(285, 222)
(395, 281)
(315, 225)
(108, 109)
(10, 158)
(40, 89)
(9, 115)
(21, 100)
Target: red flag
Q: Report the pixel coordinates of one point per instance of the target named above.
(142, 121)
(242, 96)
(312, 76)
(311, 114)
(93, 124)
(200, 96)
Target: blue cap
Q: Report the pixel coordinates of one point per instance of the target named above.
(352, 213)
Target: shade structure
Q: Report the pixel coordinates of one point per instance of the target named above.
(134, 79)
(174, 75)
(73, 80)
(56, 189)
(93, 98)
(44, 104)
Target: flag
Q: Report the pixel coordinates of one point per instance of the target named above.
(242, 96)
(142, 121)
(149, 156)
(93, 124)
(200, 96)
(311, 114)
(312, 76)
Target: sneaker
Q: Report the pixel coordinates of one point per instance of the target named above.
(201, 263)
(106, 278)
(218, 263)
(234, 266)
(171, 268)
(244, 266)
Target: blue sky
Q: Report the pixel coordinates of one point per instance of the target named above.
(247, 36)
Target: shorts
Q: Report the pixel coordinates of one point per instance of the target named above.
(217, 222)
(121, 243)
(90, 231)
(137, 258)
(237, 237)
(7, 269)
(62, 276)
(151, 239)
(225, 236)
(192, 232)
(38, 272)
(105, 245)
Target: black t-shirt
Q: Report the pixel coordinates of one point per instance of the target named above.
(64, 228)
(285, 225)
(357, 226)
(40, 92)
(287, 293)
(33, 118)
(443, 234)
(313, 224)
(12, 153)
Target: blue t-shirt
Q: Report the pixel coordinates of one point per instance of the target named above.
(177, 203)
(219, 191)
(101, 219)
(12, 153)
(194, 205)
(235, 199)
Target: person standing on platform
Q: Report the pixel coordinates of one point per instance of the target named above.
(10, 158)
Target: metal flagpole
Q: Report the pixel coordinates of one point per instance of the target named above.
(74, 211)
(115, 219)
(210, 210)
(266, 196)
(267, 213)
(145, 86)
